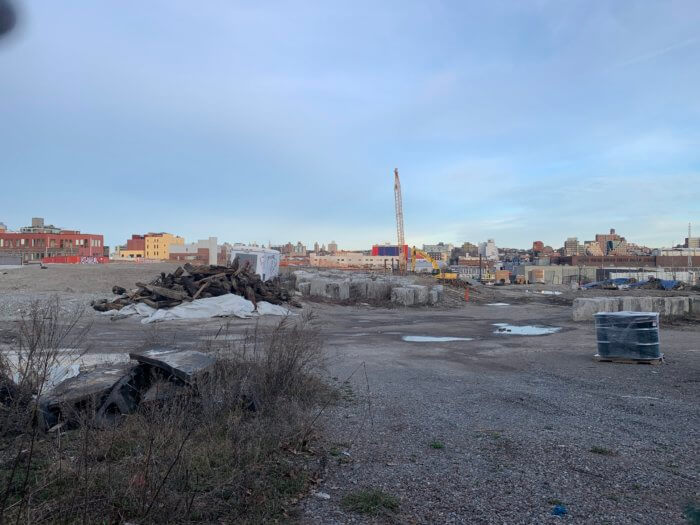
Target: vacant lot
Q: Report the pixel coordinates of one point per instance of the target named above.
(485, 428)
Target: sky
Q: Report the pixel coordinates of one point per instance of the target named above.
(283, 121)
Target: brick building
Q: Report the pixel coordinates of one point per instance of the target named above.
(39, 241)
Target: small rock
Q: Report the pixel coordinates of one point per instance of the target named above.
(322, 495)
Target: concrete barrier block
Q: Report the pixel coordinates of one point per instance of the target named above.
(420, 294)
(584, 309)
(338, 290)
(317, 287)
(378, 290)
(676, 306)
(433, 297)
(403, 296)
(694, 304)
(358, 288)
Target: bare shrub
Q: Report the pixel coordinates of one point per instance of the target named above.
(233, 447)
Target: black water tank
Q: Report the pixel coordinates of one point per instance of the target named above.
(629, 335)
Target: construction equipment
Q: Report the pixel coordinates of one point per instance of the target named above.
(438, 272)
(399, 220)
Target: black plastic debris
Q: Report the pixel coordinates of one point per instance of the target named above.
(628, 335)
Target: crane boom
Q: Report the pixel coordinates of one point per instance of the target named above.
(399, 219)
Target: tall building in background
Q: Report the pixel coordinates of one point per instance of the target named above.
(537, 247)
(488, 250)
(608, 241)
(316, 247)
(572, 247)
(333, 247)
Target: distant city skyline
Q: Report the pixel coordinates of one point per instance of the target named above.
(516, 121)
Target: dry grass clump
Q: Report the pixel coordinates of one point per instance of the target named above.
(234, 448)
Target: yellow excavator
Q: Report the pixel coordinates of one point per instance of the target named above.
(438, 272)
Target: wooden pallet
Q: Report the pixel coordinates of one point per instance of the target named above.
(629, 361)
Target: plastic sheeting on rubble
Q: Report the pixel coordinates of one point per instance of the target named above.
(221, 306)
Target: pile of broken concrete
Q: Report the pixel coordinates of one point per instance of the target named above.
(102, 395)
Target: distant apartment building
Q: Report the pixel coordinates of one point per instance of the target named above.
(154, 246)
(40, 241)
(439, 251)
(537, 247)
(692, 242)
(572, 247)
(608, 241)
(489, 250)
(592, 248)
(332, 247)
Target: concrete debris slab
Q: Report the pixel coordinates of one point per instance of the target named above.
(403, 296)
(82, 393)
(183, 364)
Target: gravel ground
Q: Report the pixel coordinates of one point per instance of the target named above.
(527, 422)
(76, 284)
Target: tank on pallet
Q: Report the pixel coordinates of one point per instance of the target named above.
(628, 335)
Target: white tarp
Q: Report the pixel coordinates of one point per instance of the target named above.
(221, 306)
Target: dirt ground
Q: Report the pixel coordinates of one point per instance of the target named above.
(524, 423)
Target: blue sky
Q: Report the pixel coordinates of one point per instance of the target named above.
(275, 121)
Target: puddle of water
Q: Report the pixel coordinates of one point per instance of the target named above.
(498, 304)
(431, 339)
(509, 329)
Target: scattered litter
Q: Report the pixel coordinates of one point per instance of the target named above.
(498, 304)
(550, 292)
(559, 510)
(431, 339)
(322, 495)
(509, 329)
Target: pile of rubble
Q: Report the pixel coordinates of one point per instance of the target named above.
(104, 394)
(194, 282)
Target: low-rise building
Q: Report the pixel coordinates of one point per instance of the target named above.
(153, 246)
(204, 251)
(37, 242)
(354, 260)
